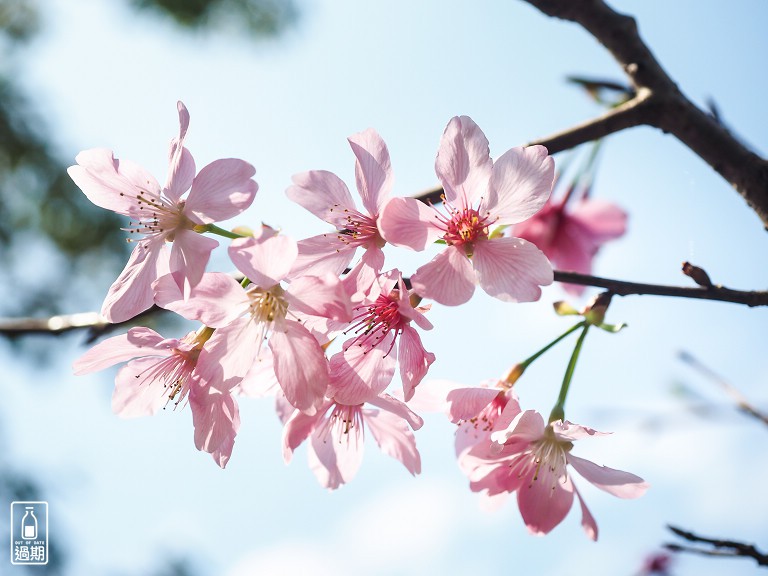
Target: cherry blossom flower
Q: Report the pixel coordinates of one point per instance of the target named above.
(221, 190)
(382, 335)
(162, 371)
(325, 195)
(478, 194)
(337, 432)
(571, 233)
(266, 310)
(530, 457)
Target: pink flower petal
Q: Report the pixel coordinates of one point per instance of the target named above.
(357, 373)
(334, 456)
(604, 220)
(221, 190)
(463, 162)
(466, 403)
(135, 397)
(360, 281)
(527, 427)
(298, 428)
(229, 354)
(408, 222)
(587, 520)
(216, 419)
(260, 381)
(110, 183)
(511, 269)
(324, 194)
(568, 431)
(394, 438)
(216, 301)
(264, 261)
(320, 296)
(181, 170)
(448, 278)
(190, 253)
(373, 171)
(119, 349)
(616, 482)
(181, 174)
(521, 183)
(545, 501)
(398, 408)
(414, 360)
(300, 365)
(131, 293)
(322, 254)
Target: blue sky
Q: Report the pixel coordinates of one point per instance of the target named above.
(126, 495)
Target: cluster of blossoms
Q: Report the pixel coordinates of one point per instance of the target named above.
(325, 333)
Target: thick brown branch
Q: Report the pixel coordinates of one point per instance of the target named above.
(727, 548)
(623, 288)
(666, 107)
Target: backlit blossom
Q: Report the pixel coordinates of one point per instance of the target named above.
(264, 309)
(159, 215)
(336, 435)
(326, 196)
(381, 335)
(162, 371)
(571, 232)
(479, 195)
(531, 458)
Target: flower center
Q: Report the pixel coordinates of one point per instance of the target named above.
(359, 229)
(549, 457)
(376, 320)
(464, 226)
(267, 308)
(154, 216)
(345, 424)
(487, 417)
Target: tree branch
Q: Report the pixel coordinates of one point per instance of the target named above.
(98, 325)
(665, 106)
(624, 288)
(726, 548)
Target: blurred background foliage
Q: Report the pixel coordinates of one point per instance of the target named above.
(40, 207)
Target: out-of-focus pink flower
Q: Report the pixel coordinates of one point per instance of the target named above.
(326, 196)
(246, 317)
(337, 432)
(571, 232)
(479, 194)
(657, 564)
(221, 190)
(383, 335)
(530, 457)
(160, 371)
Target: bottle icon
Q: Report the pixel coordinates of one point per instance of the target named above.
(29, 524)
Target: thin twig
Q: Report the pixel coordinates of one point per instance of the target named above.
(727, 548)
(741, 401)
(624, 288)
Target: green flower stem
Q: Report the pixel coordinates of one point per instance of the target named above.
(529, 361)
(213, 229)
(558, 412)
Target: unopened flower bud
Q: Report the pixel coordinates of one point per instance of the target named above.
(594, 312)
(698, 274)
